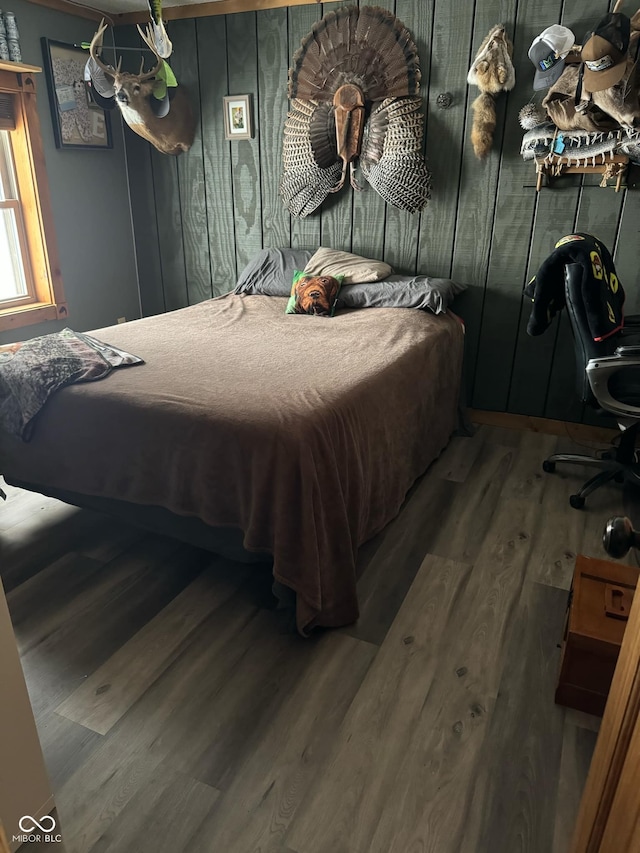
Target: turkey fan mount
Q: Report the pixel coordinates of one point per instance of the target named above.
(354, 87)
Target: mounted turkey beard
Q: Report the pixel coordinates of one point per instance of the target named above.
(355, 98)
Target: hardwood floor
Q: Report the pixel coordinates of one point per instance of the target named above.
(177, 714)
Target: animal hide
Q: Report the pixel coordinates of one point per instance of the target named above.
(622, 101)
(492, 72)
(559, 103)
(610, 109)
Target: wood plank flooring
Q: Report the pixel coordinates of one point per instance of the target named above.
(176, 713)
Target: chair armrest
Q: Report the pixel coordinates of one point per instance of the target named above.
(627, 352)
(599, 372)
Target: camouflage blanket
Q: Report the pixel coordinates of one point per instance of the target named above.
(31, 371)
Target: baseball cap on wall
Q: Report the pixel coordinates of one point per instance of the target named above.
(547, 53)
(99, 86)
(604, 53)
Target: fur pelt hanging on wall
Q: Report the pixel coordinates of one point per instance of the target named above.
(492, 72)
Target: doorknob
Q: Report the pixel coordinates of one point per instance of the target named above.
(619, 536)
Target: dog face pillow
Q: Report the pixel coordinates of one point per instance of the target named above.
(314, 294)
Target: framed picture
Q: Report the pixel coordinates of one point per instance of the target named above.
(78, 122)
(238, 122)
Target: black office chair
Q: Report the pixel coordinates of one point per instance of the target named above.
(608, 378)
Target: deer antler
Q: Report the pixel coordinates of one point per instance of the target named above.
(96, 46)
(147, 38)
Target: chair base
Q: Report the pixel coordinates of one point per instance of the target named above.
(619, 464)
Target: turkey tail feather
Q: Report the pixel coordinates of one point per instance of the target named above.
(368, 47)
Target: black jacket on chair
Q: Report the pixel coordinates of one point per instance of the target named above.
(579, 275)
(602, 292)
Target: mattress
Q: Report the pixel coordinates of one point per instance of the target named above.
(302, 432)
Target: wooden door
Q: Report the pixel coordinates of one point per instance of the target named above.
(609, 816)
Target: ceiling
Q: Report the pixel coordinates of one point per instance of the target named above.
(123, 6)
(137, 11)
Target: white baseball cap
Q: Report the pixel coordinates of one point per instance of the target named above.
(547, 52)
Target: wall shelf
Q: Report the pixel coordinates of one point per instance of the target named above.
(18, 67)
(610, 166)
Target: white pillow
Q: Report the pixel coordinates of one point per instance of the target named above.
(356, 270)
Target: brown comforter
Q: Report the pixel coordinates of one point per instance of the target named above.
(305, 432)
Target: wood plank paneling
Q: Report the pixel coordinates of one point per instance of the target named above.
(339, 227)
(273, 105)
(450, 61)
(242, 51)
(485, 225)
(512, 233)
(193, 203)
(305, 233)
(212, 59)
(143, 215)
(364, 233)
(628, 240)
(401, 246)
(164, 170)
(143, 202)
(477, 199)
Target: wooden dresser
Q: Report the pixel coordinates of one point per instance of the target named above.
(599, 605)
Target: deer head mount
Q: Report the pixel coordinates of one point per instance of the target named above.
(170, 133)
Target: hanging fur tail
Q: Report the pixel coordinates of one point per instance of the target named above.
(484, 123)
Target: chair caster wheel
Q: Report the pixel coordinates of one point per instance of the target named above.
(576, 501)
(548, 467)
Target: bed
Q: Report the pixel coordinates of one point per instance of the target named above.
(300, 434)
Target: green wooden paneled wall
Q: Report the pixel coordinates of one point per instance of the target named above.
(199, 218)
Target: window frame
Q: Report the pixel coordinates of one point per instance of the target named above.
(42, 264)
(21, 234)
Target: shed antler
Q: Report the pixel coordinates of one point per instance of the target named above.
(147, 37)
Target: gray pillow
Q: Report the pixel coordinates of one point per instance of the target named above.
(400, 291)
(270, 273)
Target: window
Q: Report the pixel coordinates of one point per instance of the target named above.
(16, 283)
(30, 282)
